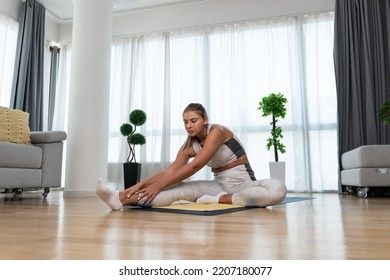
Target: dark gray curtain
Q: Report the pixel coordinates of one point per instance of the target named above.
(55, 55)
(27, 87)
(362, 68)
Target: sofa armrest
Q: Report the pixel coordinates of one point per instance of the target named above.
(51, 143)
(41, 137)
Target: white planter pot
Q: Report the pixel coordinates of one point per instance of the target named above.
(277, 170)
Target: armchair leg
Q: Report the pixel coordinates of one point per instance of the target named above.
(350, 190)
(45, 192)
(17, 193)
(362, 192)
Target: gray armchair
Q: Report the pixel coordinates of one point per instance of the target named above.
(32, 167)
(364, 167)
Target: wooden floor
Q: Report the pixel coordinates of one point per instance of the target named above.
(331, 226)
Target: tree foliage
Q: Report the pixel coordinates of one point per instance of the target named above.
(274, 105)
(136, 118)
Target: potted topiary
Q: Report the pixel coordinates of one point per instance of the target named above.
(132, 169)
(275, 105)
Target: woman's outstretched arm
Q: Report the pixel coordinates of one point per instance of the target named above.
(181, 168)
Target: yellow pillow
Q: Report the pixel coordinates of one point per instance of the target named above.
(14, 126)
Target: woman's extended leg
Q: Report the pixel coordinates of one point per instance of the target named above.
(189, 191)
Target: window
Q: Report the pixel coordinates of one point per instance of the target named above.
(229, 69)
(8, 39)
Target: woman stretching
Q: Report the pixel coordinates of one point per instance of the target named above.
(208, 144)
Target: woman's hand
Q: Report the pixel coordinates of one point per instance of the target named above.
(134, 189)
(145, 193)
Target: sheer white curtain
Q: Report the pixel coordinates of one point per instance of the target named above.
(229, 69)
(60, 117)
(8, 39)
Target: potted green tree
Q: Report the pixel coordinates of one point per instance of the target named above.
(274, 105)
(384, 113)
(131, 168)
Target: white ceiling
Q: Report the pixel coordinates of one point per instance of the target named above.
(63, 9)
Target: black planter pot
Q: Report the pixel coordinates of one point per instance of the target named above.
(131, 174)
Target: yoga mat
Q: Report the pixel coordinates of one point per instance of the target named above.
(191, 208)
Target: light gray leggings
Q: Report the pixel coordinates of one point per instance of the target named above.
(234, 181)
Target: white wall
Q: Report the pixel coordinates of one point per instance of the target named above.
(52, 30)
(204, 13)
(10, 8)
(184, 16)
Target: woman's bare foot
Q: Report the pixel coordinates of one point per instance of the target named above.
(225, 199)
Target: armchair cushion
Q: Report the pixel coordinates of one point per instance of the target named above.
(33, 166)
(14, 126)
(20, 156)
(367, 156)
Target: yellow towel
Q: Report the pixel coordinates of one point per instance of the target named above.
(198, 207)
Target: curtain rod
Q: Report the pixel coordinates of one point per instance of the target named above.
(250, 21)
(51, 43)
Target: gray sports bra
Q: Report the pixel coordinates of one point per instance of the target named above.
(230, 151)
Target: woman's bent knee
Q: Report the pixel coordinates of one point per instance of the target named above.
(278, 189)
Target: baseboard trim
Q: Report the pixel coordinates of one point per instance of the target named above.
(77, 193)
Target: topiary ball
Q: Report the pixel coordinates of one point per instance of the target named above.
(137, 117)
(137, 139)
(126, 129)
